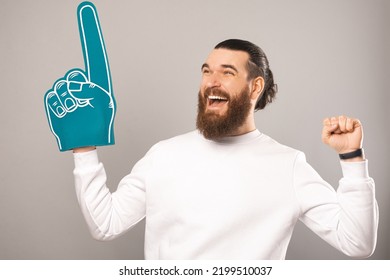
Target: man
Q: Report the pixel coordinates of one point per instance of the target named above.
(226, 190)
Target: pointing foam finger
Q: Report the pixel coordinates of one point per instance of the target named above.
(95, 57)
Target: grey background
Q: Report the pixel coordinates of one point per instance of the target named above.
(328, 58)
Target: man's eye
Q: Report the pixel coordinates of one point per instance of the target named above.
(228, 73)
(205, 71)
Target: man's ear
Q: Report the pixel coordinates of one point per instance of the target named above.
(257, 88)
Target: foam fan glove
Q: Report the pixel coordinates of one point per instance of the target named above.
(80, 107)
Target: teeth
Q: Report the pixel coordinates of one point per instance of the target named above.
(214, 97)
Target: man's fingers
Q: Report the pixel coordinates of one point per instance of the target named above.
(95, 57)
(351, 124)
(331, 125)
(347, 124)
(341, 124)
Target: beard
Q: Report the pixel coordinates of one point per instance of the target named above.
(214, 125)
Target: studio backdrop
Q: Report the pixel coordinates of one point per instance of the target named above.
(328, 58)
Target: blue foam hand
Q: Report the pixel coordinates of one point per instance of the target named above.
(81, 107)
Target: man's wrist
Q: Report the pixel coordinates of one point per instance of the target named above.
(357, 155)
(83, 149)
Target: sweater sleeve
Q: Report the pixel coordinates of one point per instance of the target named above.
(107, 214)
(346, 218)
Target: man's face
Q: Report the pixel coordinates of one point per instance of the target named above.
(224, 96)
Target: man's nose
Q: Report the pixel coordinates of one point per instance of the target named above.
(213, 81)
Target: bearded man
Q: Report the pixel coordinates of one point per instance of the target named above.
(226, 190)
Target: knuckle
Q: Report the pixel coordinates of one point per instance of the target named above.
(76, 76)
(60, 86)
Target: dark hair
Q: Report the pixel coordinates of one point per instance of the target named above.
(257, 66)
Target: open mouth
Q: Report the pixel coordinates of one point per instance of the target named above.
(215, 101)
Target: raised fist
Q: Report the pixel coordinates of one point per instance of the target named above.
(342, 133)
(81, 107)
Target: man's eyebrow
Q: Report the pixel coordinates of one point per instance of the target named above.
(205, 65)
(229, 66)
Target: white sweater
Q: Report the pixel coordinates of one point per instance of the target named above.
(238, 198)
